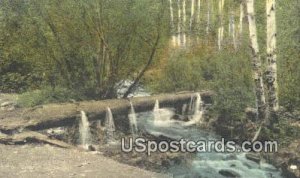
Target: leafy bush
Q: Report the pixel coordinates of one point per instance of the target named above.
(228, 73)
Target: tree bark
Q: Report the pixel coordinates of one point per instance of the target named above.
(66, 114)
(242, 14)
(221, 28)
(184, 22)
(256, 63)
(271, 74)
(172, 24)
(232, 29)
(208, 17)
(192, 14)
(136, 81)
(179, 25)
(198, 18)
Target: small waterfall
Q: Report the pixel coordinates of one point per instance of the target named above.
(84, 130)
(109, 126)
(191, 104)
(198, 111)
(156, 111)
(132, 120)
(162, 116)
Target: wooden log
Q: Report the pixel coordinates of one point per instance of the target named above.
(59, 115)
(32, 137)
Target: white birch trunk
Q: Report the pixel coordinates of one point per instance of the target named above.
(179, 25)
(242, 14)
(271, 57)
(208, 17)
(219, 38)
(172, 24)
(198, 11)
(184, 21)
(192, 14)
(232, 27)
(198, 17)
(221, 28)
(256, 63)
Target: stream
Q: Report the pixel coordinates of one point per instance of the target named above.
(204, 164)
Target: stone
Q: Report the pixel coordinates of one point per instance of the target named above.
(253, 157)
(229, 173)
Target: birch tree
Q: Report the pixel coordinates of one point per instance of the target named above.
(256, 63)
(221, 28)
(192, 14)
(172, 23)
(208, 17)
(198, 16)
(271, 74)
(242, 14)
(184, 21)
(232, 30)
(179, 24)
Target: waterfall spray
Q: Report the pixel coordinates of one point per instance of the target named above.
(197, 110)
(132, 120)
(84, 130)
(109, 126)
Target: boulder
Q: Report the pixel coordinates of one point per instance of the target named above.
(253, 157)
(229, 173)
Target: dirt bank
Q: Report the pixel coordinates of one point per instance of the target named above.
(47, 161)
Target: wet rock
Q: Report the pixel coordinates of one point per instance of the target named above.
(180, 118)
(253, 157)
(229, 173)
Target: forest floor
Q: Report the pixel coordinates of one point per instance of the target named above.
(48, 161)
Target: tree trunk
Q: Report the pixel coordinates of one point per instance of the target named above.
(66, 114)
(198, 18)
(271, 74)
(179, 24)
(136, 81)
(232, 29)
(192, 14)
(242, 14)
(208, 17)
(221, 28)
(256, 63)
(184, 22)
(172, 24)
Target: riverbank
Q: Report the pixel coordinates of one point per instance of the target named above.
(48, 161)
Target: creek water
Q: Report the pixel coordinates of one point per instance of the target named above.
(204, 164)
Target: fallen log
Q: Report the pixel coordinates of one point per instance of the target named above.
(31, 137)
(58, 115)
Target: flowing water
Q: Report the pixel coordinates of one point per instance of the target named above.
(161, 116)
(132, 120)
(207, 164)
(196, 106)
(109, 126)
(84, 130)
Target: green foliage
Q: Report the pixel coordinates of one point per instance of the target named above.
(86, 46)
(48, 95)
(227, 73)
